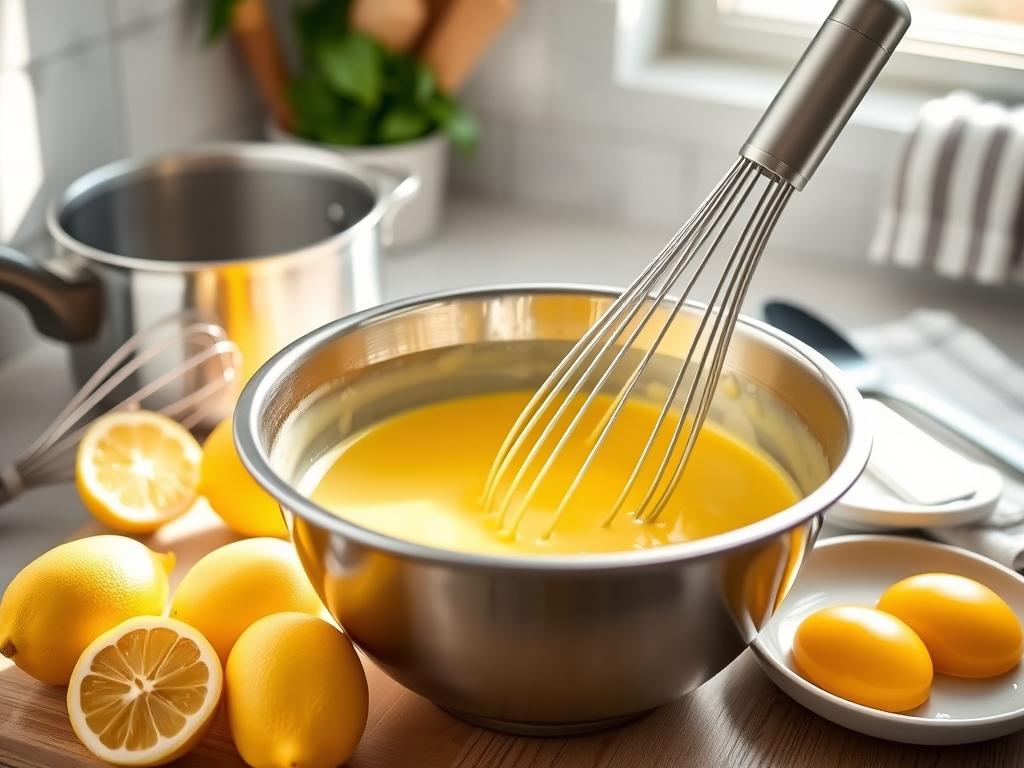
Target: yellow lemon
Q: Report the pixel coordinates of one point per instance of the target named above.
(233, 586)
(296, 693)
(232, 492)
(69, 596)
(145, 692)
(136, 470)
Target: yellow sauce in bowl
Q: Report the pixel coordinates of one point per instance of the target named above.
(420, 475)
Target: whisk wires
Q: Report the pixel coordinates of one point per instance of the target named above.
(195, 365)
(631, 323)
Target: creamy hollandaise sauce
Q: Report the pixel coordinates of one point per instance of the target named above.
(420, 476)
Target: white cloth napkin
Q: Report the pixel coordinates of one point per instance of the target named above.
(933, 350)
(956, 205)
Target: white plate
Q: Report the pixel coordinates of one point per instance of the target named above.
(857, 569)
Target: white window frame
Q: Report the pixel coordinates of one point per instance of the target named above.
(940, 60)
(745, 66)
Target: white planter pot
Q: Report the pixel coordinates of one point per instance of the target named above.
(427, 158)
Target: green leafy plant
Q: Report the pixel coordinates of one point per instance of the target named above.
(351, 90)
(218, 18)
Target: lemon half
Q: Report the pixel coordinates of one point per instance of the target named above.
(137, 470)
(145, 692)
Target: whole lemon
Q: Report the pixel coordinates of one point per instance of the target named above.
(232, 492)
(69, 596)
(233, 586)
(296, 693)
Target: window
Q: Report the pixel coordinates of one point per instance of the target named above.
(977, 44)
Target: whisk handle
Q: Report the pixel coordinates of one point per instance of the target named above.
(825, 87)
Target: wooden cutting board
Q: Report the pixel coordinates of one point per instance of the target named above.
(738, 719)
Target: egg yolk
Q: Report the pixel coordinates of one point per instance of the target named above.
(865, 656)
(969, 630)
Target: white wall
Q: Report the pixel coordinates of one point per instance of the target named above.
(88, 81)
(560, 131)
(84, 82)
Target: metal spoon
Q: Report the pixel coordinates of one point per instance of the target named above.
(868, 378)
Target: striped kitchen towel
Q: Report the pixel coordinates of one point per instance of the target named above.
(934, 351)
(957, 200)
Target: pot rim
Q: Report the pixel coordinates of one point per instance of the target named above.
(386, 187)
(260, 387)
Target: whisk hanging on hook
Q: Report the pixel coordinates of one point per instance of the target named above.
(781, 154)
(197, 367)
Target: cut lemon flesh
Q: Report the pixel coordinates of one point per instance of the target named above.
(145, 692)
(136, 470)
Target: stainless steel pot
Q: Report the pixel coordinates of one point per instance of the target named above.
(270, 241)
(540, 644)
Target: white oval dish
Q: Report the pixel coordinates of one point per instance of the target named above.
(869, 505)
(857, 569)
(912, 480)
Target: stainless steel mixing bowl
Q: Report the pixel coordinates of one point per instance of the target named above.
(555, 644)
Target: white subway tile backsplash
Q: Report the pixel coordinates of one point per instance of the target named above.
(247, 125)
(861, 151)
(125, 12)
(821, 222)
(567, 171)
(575, 138)
(713, 162)
(588, 95)
(80, 125)
(655, 186)
(62, 120)
(21, 182)
(488, 169)
(84, 82)
(580, 40)
(33, 30)
(628, 183)
(513, 77)
(176, 88)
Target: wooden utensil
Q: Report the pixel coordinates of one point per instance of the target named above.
(395, 24)
(253, 30)
(435, 12)
(459, 38)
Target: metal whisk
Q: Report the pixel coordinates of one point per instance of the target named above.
(196, 366)
(784, 150)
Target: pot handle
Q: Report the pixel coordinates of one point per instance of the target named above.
(63, 304)
(395, 188)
